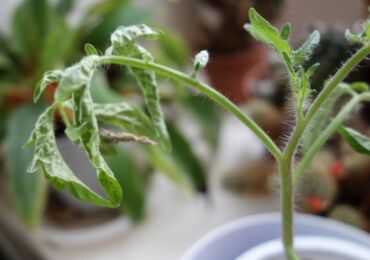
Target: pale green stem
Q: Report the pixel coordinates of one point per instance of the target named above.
(327, 133)
(64, 115)
(203, 88)
(285, 170)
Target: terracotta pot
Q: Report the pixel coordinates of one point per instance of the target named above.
(234, 74)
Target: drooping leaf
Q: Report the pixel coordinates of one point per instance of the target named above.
(48, 78)
(85, 123)
(131, 179)
(28, 190)
(358, 142)
(200, 61)
(263, 31)
(75, 78)
(302, 54)
(123, 43)
(47, 158)
(127, 117)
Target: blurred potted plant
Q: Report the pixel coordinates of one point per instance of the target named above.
(237, 60)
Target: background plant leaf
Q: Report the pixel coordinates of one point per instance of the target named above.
(28, 190)
(356, 140)
(131, 179)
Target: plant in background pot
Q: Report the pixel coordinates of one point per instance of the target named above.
(237, 59)
(315, 121)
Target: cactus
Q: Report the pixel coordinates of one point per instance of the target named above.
(349, 215)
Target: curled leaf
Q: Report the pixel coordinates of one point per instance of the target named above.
(124, 35)
(48, 78)
(127, 117)
(48, 159)
(123, 44)
(76, 77)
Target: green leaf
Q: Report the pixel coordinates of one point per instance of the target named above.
(85, 122)
(131, 179)
(28, 190)
(303, 54)
(75, 78)
(126, 35)
(90, 49)
(286, 31)
(200, 61)
(207, 116)
(356, 140)
(186, 159)
(311, 70)
(63, 7)
(168, 166)
(123, 44)
(29, 27)
(60, 35)
(48, 159)
(263, 31)
(173, 49)
(354, 38)
(359, 86)
(125, 116)
(288, 63)
(48, 78)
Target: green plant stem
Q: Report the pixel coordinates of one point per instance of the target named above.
(327, 133)
(325, 93)
(203, 88)
(64, 115)
(285, 170)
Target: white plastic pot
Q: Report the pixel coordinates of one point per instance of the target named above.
(258, 237)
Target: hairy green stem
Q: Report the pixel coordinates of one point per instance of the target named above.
(341, 74)
(285, 170)
(325, 93)
(203, 88)
(327, 133)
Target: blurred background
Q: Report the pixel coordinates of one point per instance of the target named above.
(217, 170)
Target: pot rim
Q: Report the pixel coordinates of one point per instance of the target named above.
(311, 221)
(319, 244)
